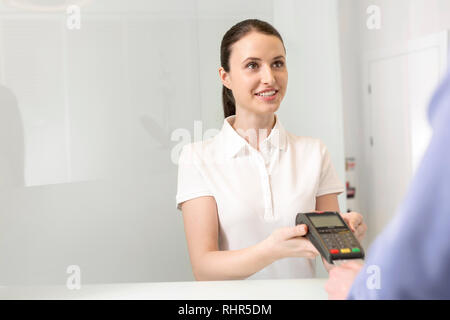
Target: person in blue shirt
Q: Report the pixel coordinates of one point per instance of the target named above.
(410, 259)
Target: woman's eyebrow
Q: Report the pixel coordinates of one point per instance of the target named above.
(258, 59)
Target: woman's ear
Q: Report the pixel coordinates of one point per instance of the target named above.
(225, 77)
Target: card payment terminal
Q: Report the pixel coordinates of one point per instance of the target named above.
(331, 236)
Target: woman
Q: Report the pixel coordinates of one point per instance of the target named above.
(241, 190)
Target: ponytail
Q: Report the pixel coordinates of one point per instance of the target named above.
(229, 107)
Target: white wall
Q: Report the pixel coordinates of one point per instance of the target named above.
(401, 20)
(97, 105)
(97, 109)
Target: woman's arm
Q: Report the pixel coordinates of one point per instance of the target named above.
(208, 262)
(328, 202)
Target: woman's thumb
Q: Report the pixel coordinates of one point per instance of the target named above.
(301, 230)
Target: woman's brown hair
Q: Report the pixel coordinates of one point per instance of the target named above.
(233, 35)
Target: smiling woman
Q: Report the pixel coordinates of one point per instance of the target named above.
(239, 210)
(243, 83)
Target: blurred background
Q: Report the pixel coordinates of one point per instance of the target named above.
(91, 96)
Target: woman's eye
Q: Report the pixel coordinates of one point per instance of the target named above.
(252, 65)
(279, 64)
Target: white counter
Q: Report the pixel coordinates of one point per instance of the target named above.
(286, 289)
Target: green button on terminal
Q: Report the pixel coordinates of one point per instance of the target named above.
(356, 250)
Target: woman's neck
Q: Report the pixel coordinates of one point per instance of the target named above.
(253, 127)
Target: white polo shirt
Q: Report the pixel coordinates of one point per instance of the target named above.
(257, 192)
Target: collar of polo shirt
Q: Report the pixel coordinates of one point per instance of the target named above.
(234, 142)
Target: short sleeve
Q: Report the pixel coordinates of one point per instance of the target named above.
(329, 181)
(191, 183)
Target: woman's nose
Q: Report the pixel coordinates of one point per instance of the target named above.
(267, 75)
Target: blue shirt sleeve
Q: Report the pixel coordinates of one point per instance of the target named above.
(411, 257)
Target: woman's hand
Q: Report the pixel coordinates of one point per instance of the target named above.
(356, 223)
(290, 242)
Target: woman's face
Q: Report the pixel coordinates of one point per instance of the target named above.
(257, 64)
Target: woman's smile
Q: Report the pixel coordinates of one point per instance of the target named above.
(267, 95)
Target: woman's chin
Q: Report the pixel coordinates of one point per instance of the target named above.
(265, 110)
(267, 107)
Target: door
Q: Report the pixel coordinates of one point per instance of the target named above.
(400, 84)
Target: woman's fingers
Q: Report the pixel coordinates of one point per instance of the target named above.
(353, 219)
(303, 248)
(361, 231)
(313, 249)
(298, 231)
(287, 233)
(356, 223)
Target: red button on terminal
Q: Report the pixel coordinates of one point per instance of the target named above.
(334, 251)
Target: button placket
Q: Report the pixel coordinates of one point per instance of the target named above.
(267, 192)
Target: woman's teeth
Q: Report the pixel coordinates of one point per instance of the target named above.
(266, 94)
